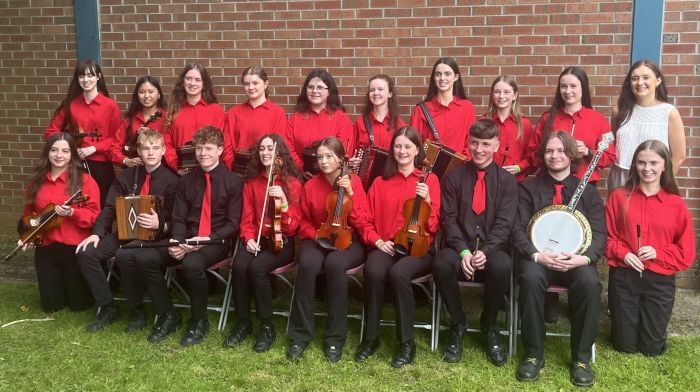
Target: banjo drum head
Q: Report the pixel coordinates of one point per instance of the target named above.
(557, 230)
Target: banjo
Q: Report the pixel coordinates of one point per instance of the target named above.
(561, 229)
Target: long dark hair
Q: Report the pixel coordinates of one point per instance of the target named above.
(332, 103)
(179, 96)
(627, 100)
(558, 104)
(457, 88)
(135, 106)
(255, 70)
(392, 102)
(668, 180)
(514, 107)
(43, 166)
(287, 170)
(87, 66)
(392, 166)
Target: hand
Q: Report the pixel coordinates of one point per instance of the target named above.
(86, 151)
(550, 261)
(387, 247)
(276, 191)
(25, 246)
(131, 162)
(194, 248)
(176, 251)
(512, 169)
(646, 253)
(581, 149)
(93, 239)
(479, 260)
(182, 172)
(354, 163)
(252, 246)
(422, 190)
(63, 210)
(148, 220)
(308, 175)
(633, 261)
(467, 267)
(344, 182)
(572, 260)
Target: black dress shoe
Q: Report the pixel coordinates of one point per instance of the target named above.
(196, 332)
(405, 355)
(167, 323)
(137, 320)
(494, 347)
(266, 336)
(582, 374)
(239, 333)
(334, 353)
(295, 351)
(529, 369)
(366, 349)
(453, 345)
(107, 315)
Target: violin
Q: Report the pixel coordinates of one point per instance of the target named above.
(273, 208)
(413, 238)
(130, 149)
(81, 134)
(334, 233)
(33, 226)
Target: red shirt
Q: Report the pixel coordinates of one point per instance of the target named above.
(120, 138)
(386, 200)
(381, 130)
(452, 122)
(313, 206)
(101, 115)
(245, 125)
(590, 127)
(517, 148)
(74, 228)
(253, 198)
(308, 127)
(190, 118)
(666, 225)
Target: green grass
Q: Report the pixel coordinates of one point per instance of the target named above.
(60, 356)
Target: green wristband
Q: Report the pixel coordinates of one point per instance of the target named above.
(465, 252)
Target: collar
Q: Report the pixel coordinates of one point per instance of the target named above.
(63, 177)
(265, 104)
(661, 195)
(497, 119)
(99, 99)
(201, 102)
(455, 101)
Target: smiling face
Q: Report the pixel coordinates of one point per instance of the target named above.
(482, 150)
(444, 78)
(317, 94)
(151, 153)
(267, 147)
(405, 151)
(570, 90)
(555, 157)
(208, 155)
(379, 93)
(643, 82)
(88, 81)
(649, 166)
(254, 87)
(59, 155)
(148, 95)
(328, 162)
(193, 84)
(503, 95)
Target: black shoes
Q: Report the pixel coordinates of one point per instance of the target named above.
(494, 347)
(529, 369)
(266, 336)
(137, 320)
(405, 355)
(239, 333)
(334, 353)
(581, 374)
(106, 315)
(167, 323)
(453, 345)
(196, 332)
(295, 351)
(366, 349)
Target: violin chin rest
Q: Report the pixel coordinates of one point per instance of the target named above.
(326, 243)
(400, 249)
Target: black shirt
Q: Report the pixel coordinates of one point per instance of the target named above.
(459, 223)
(163, 183)
(537, 193)
(226, 196)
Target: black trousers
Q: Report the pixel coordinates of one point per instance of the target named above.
(251, 276)
(447, 271)
(640, 309)
(103, 173)
(145, 267)
(313, 260)
(584, 307)
(400, 273)
(91, 265)
(60, 282)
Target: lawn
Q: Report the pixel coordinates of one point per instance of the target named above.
(59, 355)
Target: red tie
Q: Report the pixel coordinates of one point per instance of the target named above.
(479, 200)
(205, 217)
(146, 188)
(558, 198)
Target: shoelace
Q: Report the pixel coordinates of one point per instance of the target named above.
(532, 360)
(581, 365)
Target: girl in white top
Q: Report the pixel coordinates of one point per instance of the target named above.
(643, 113)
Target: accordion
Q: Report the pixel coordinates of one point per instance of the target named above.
(308, 156)
(442, 158)
(128, 208)
(372, 164)
(241, 159)
(186, 157)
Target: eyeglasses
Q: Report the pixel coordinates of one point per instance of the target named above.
(316, 88)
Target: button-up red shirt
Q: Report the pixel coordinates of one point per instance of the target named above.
(305, 128)
(120, 138)
(514, 150)
(380, 129)
(452, 122)
(245, 125)
(190, 118)
(253, 199)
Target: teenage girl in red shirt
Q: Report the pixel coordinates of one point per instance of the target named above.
(57, 176)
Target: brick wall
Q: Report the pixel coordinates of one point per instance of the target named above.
(531, 39)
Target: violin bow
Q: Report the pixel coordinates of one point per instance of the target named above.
(267, 193)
